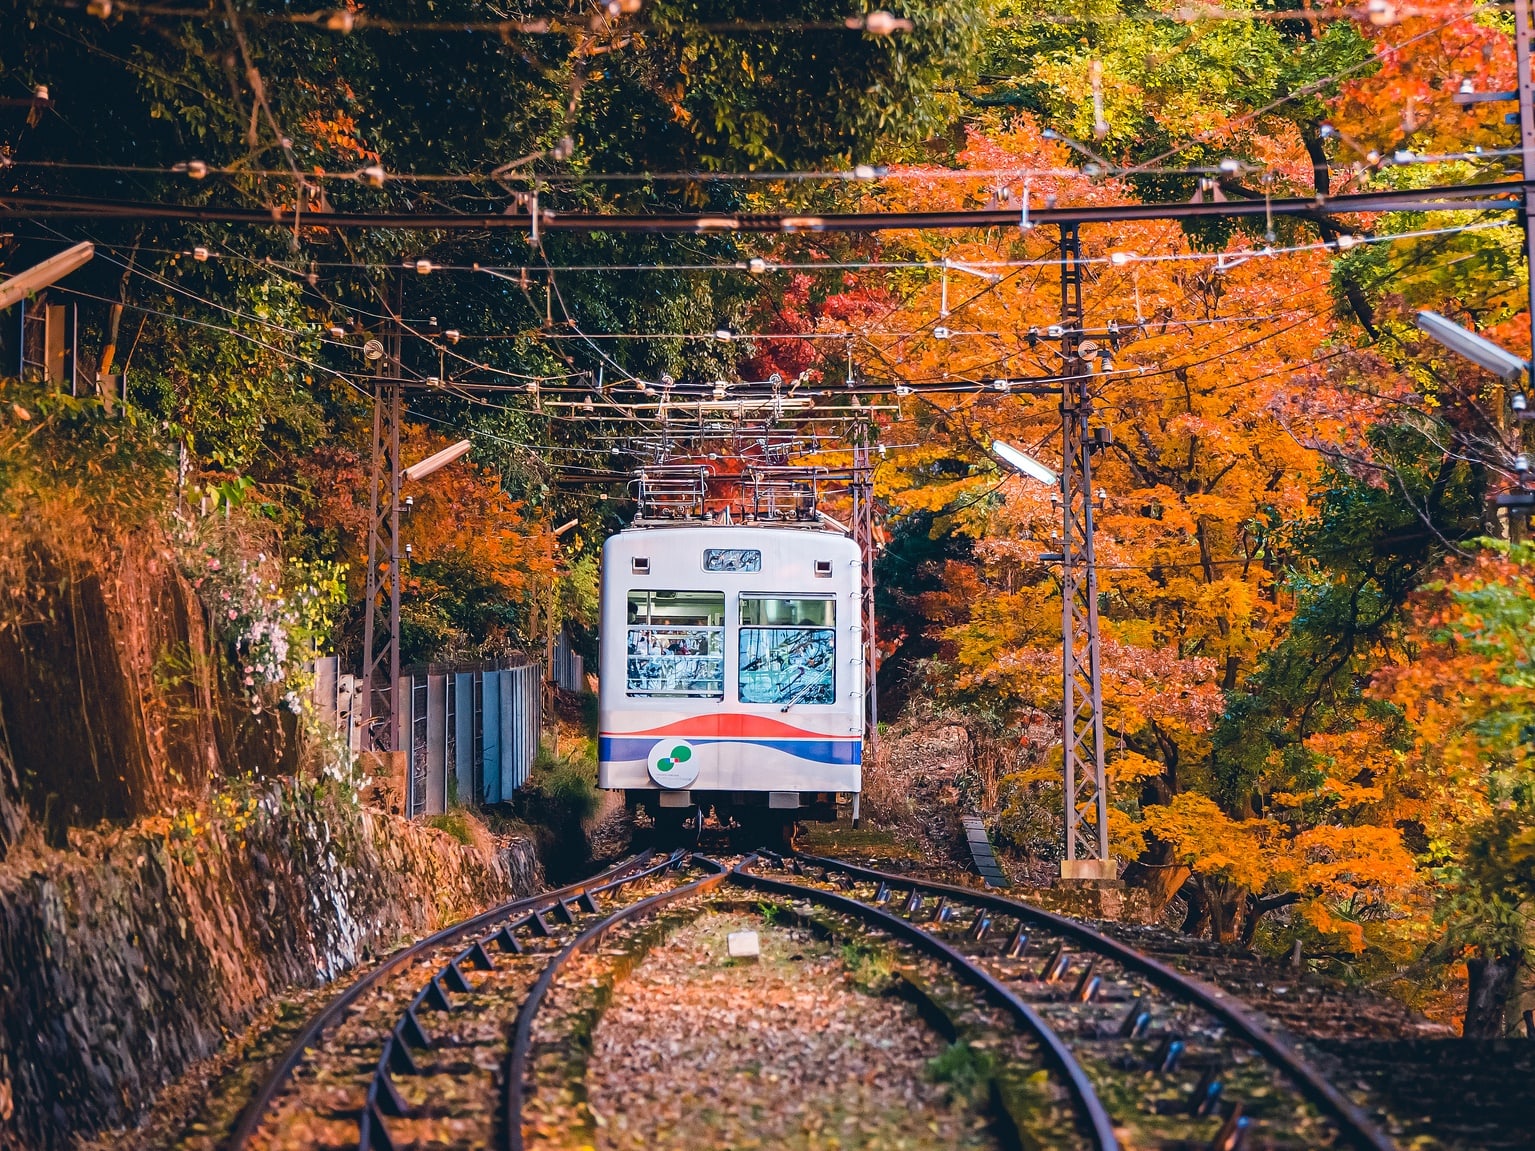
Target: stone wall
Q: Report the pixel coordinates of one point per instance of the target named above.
(130, 955)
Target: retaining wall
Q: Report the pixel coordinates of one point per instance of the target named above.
(131, 955)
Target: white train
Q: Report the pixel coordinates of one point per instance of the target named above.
(731, 672)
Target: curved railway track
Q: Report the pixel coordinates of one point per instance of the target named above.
(444, 1033)
(512, 930)
(1142, 1046)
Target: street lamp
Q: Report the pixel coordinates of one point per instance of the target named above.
(1466, 343)
(1024, 465)
(39, 276)
(435, 461)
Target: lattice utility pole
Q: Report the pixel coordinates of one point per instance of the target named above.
(381, 606)
(863, 536)
(1087, 832)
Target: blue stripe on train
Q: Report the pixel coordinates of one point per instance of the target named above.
(835, 751)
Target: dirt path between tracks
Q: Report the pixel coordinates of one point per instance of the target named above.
(698, 1050)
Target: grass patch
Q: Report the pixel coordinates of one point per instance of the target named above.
(967, 1071)
(464, 826)
(870, 966)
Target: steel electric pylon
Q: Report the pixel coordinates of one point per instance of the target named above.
(381, 595)
(1087, 833)
(863, 536)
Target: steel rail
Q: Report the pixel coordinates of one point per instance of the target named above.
(382, 1098)
(1505, 195)
(522, 1036)
(251, 1115)
(1356, 1124)
(1100, 1125)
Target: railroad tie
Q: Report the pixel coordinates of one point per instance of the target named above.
(373, 1135)
(1233, 1133)
(1087, 985)
(1207, 1093)
(433, 996)
(397, 1056)
(506, 941)
(1165, 1058)
(388, 1100)
(478, 957)
(1056, 966)
(453, 979)
(1135, 1022)
(410, 1031)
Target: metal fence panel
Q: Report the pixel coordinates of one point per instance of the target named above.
(463, 736)
(490, 725)
(434, 757)
(510, 730)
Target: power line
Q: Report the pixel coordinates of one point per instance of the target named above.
(1500, 195)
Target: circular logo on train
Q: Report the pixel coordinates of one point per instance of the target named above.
(673, 763)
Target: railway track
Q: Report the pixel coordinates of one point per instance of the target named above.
(478, 1036)
(395, 1058)
(1152, 1057)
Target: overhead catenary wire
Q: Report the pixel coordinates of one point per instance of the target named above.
(1504, 195)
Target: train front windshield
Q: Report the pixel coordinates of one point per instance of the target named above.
(788, 650)
(676, 643)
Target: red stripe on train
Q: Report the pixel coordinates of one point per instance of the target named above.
(729, 725)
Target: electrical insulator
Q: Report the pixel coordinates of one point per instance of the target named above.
(941, 333)
(1519, 402)
(1521, 463)
(373, 176)
(756, 265)
(453, 335)
(423, 267)
(197, 169)
(200, 254)
(337, 332)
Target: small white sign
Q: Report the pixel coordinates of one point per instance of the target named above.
(743, 945)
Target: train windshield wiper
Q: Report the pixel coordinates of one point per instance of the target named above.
(799, 695)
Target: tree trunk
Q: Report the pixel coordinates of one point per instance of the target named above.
(1197, 921)
(1158, 875)
(1489, 985)
(1226, 903)
(1258, 907)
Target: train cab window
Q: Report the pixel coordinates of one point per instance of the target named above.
(676, 643)
(788, 650)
